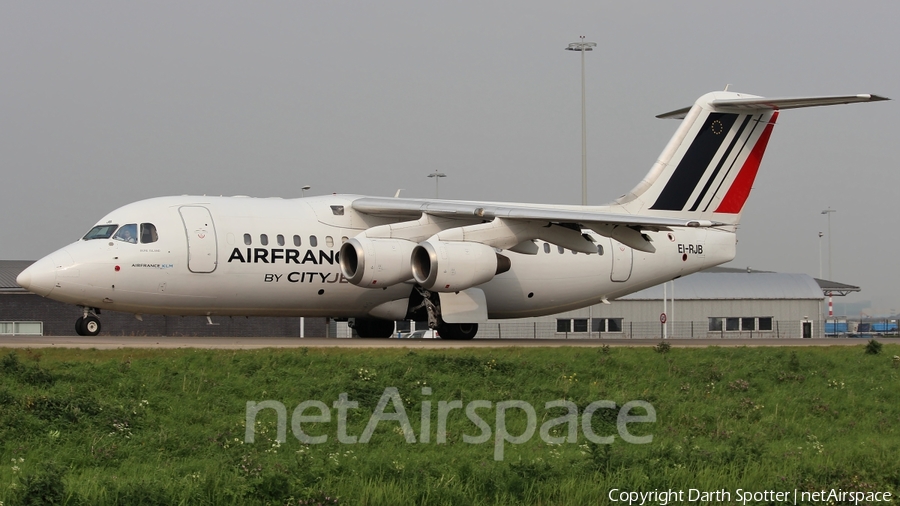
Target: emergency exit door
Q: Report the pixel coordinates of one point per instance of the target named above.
(201, 238)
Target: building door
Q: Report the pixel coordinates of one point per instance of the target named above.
(621, 262)
(201, 238)
(807, 329)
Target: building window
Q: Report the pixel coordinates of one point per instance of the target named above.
(580, 325)
(606, 325)
(742, 324)
(564, 325)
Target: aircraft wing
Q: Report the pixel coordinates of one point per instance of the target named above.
(625, 228)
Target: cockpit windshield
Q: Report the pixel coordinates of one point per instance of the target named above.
(127, 233)
(148, 233)
(100, 232)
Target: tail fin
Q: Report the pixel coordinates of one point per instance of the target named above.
(708, 168)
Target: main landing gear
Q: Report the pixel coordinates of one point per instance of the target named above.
(430, 302)
(89, 324)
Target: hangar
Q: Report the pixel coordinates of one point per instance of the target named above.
(716, 303)
(720, 302)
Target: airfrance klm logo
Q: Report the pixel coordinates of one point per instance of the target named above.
(311, 421)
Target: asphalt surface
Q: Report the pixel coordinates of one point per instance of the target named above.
(249, 343)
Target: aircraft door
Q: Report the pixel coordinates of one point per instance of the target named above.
(201, 238)
(621, 261)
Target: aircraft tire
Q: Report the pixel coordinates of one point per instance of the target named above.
(458, 331)
(91, 325)
(79, 326)
(374, 328)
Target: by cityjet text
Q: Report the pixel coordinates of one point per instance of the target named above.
(311, 412)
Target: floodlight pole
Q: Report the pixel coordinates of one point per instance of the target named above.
(582, 47)
(828, 212)
(437, 176)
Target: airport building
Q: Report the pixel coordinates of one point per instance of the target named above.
(716, 303)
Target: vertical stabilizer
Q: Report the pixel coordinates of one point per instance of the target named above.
(708, 168)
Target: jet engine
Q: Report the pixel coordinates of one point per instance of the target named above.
(453, 266)
(376, 263)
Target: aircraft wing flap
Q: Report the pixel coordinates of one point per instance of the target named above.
(415, 207)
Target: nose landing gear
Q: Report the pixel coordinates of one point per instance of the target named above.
(89, 324)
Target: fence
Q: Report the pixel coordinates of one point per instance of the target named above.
(649, 330)
(21, 328)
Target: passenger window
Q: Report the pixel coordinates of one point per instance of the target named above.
(600, 249)
(247, 240)
(297, 241)
(561, 249)
(148, 233)
(344, 239)
(264, 239)
(127, 233)
(313, 241)
(329, 241)
(546, 247)
(280, 239)
(100, 232)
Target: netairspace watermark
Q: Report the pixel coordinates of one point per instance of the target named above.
(744, 497)
(321, 413)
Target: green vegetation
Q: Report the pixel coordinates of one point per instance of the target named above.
(167, 426)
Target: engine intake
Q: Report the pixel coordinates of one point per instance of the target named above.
(376, 263)
(454, 266)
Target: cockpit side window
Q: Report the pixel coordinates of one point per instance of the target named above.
(148, 233)
(100, 232)
(127, 233)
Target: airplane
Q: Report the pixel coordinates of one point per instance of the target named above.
(376, 260)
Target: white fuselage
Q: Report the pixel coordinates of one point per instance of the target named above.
(223, 268)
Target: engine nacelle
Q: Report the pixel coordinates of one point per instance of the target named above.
(376, 263)
(454, 266)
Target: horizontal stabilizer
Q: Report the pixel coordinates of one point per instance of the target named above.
(757, 103)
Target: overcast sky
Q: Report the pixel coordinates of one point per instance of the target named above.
(102, 104)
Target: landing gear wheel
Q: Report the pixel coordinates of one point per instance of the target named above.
(458, 331)
(373, 327)
(79, 326)
(91, 325)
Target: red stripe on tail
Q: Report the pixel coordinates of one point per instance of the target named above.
(737, 195)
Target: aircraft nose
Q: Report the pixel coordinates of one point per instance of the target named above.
(39, 277)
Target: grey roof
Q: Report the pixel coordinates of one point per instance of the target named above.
(724, 285)
(9, 271)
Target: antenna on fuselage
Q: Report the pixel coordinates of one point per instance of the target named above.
(397, 195)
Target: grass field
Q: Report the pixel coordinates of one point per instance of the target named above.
(168, 426)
